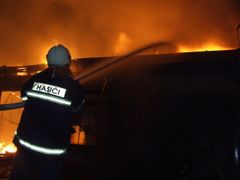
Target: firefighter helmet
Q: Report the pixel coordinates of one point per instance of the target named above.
(58, 56)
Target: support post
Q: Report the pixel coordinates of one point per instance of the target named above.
(238, 36)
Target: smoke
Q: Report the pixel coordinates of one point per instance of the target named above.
(93, 27)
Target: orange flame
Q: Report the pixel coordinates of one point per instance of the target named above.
(205, 47)
(122, 44)
(10, 148)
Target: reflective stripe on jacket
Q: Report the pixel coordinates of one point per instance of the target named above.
(40, 149)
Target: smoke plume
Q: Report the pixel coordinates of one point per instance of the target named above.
(94, 27)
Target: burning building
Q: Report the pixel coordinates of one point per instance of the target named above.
(157, 116)
(153, 116)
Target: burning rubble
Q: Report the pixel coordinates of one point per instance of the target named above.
(5, 149)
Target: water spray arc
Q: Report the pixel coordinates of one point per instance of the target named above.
(118, 60)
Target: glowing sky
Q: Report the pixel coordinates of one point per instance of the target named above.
(96, 27)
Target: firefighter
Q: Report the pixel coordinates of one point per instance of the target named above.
(52, 98)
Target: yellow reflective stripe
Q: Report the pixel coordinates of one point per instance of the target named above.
(42, 150)
(49, 98)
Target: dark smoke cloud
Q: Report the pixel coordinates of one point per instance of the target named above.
(93, 27)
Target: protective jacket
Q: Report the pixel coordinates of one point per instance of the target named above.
(52, 97)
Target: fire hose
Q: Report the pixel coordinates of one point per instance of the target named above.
(95, 70)
(17, 105)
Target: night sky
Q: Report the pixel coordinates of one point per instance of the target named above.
(97, 27)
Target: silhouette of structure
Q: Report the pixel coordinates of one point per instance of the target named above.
(171, 116)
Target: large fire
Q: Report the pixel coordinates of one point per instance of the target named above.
(124, 44)
(205, 47)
